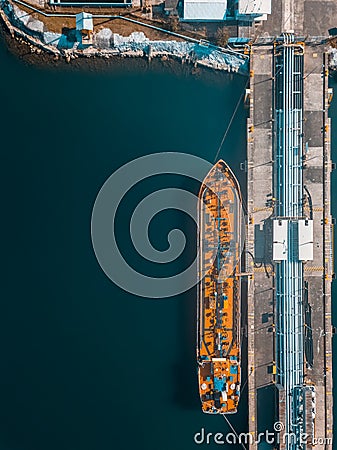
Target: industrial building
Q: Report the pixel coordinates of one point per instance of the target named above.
(84, 24)
(221, 10)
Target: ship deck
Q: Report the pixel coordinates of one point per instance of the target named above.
(219, 295)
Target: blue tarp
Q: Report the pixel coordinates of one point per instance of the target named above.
(218, 384)
(234, 369)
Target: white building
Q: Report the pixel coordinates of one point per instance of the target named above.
(253, 9)
(205, 10)
(216, 10)
(84, 22)
(85, 25)
(305, 239)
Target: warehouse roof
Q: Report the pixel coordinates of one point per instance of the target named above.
(206, 10)
(247, 7)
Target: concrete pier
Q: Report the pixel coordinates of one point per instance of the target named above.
(319, 272)
(265, 389)
(259, 185)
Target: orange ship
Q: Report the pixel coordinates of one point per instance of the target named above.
(219, 294)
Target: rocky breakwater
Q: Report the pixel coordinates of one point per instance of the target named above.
(107, 44)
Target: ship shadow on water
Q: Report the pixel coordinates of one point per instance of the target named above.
(184, 371)
(186, 391)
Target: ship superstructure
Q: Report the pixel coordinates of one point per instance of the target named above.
(218, 346)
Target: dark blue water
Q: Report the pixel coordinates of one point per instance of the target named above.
(85, 365)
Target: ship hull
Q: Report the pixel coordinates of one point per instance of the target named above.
(219, 293)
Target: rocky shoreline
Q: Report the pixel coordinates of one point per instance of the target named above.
(135, 46)
(28, 55)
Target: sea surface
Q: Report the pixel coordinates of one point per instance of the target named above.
(85, 365)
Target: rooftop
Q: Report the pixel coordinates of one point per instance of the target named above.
(254, 7)
(205, 10)
(84, 21)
